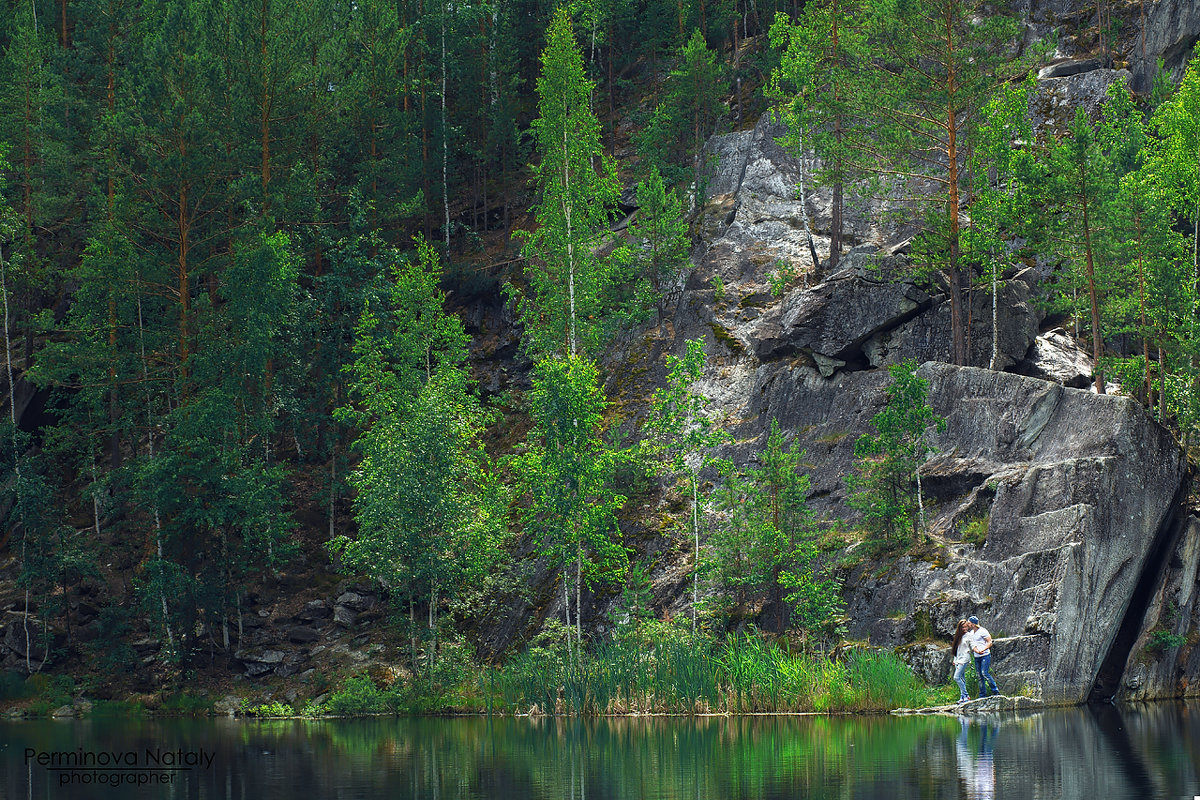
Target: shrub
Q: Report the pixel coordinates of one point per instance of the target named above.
(1161, 641)
(272, 709)
(359, 695)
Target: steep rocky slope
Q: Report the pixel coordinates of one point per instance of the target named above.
(1088, 548)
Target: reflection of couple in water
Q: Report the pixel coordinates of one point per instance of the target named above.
(977, 770)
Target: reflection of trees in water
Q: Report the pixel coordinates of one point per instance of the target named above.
(1146, 752)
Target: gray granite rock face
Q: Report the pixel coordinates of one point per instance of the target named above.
(1056, 357)
(1172, 28)
(1165, 658)
(1071, 489)
(926, 337)
(1046, 503)
(1054, 105)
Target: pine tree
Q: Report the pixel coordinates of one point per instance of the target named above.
(824, 60)
(935, 65)
(887, 486)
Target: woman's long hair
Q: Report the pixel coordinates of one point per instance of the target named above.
(959, 633)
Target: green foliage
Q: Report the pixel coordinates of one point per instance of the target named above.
(819, 84)
(664, 668)
(780, 278)
(13, 686)
(50, 692)
(659, 231)
(189, 704)
(636, 597)
(718, 287)
(885, 486)
(682, 435)
(975, 530)
(1160, 641)
(1007, 178)
(570, 288)
(427, 505)
(767, 544)
(671, 140)
(266, 710)
(568, 474)
(359, 695)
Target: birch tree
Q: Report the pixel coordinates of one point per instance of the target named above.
(567, 282)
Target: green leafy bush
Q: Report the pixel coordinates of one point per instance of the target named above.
(272, 709)
(360, 695)
(1161, 641)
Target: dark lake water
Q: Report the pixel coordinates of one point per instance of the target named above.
(1145, 751)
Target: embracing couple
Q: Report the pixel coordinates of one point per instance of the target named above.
(973, 640)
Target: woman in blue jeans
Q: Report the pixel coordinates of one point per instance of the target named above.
(981, 645)
(962, 657)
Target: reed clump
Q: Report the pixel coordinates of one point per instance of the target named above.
(661, 669)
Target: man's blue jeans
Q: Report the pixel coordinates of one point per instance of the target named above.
(983, 666)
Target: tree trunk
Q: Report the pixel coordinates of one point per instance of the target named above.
(445, 145)
(1097, 340)
(957, 331)
(265, 109)
(696, 540)
(835, 232)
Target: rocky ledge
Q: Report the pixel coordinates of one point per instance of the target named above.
(997, 703)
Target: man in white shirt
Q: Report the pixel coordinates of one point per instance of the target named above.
(981, 645)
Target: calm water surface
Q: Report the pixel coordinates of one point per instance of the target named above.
(1150, 751)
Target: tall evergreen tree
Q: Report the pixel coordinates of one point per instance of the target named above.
(825, 58)
(935, 66)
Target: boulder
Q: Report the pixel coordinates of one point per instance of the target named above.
(932, 663)
(315, 610)
(1054, 104)
(927, 337)
(834, 318)
(227, 706)
(302, 634)
(29, 649)
(356, 601)
(1067, 67)
(1056, 357)
(258, 662)
(344, 616)
(290, 665)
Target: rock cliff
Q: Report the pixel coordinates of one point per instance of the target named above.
(1079, 550)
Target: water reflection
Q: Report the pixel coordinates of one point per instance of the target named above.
(1147, 751)
(976, 764)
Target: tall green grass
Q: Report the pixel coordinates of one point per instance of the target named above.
(652, 669)
(662, 670)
